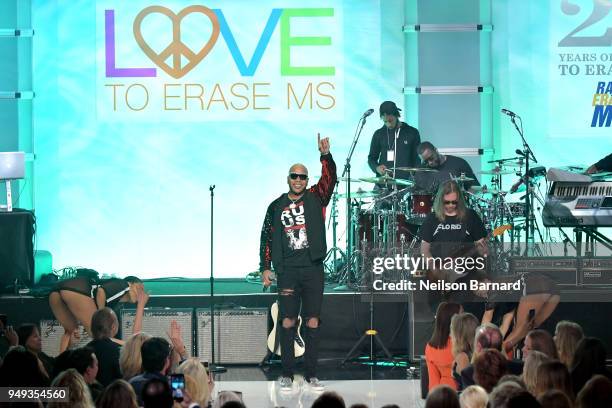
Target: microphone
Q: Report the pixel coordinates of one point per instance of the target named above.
(508, 112)
(519, 152)
(368, 113)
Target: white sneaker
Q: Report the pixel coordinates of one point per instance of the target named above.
(286, 384)
(315, 384)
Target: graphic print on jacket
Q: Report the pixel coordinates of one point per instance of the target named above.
(294, 223)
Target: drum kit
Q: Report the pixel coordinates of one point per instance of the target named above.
(386, 219)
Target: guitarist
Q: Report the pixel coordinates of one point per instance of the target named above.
(293, 242)
(451, 230)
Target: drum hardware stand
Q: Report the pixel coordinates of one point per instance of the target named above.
(370, 333)
(349, 216)
(333, 252)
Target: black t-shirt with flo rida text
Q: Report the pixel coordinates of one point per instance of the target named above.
(295, 237)
(452, 235)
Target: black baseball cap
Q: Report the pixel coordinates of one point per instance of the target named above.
(389, 108)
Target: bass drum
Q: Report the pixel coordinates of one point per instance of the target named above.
(375, 226)
(419, 205)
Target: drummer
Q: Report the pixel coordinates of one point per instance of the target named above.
(394, 144)
(448, 168)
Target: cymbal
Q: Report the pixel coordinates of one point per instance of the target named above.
(414, 169)
(387, 180)
(496, 172)
(489, 190)
(463, 179)
(359, 194)
(352, 180)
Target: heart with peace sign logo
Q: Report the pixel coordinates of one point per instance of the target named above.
(176, 48)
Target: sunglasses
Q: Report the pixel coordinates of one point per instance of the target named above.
(295, 176)
(451, 202)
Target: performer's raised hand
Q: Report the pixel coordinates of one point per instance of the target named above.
(323, 144)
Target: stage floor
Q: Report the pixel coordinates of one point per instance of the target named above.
(373, 393)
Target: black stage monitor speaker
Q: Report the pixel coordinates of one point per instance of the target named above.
(156, 322)
(51, 332)
(240, 335)
(16, 249)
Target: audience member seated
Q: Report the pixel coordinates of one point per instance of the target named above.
(156, 392)
(233, 404)
(62, 363)
(29, 337)
(554, 399)
(513, 378)
(438, 352)
(20, 368)
(8, 337)
(442, 396)
(523, 400)
(487, 336)
(224, 397)
(104, 326)
(194, 368)
(130, 359)
(589, 359)
(118, 394)
(155, 364)
(474, 396)
(462, 333)
(499, 397)
(84, 360)
(596, 393)
(78, 392)
(329, 399)
(567, 336)
(540, 340)
(553, 375)
(530, 369)
(489, 367)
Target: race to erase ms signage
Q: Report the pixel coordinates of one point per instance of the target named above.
(230, 60)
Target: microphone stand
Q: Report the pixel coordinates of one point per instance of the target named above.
(527, 153)
(212, 367)
(349, 210)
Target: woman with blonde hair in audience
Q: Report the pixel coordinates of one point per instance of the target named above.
(78, 391)
(201, 389)
(462, 332)
(438, 354)
(118, 394)
(567, 336)
(474, 396)
(553, 375)
(130, 359)
(530, 369)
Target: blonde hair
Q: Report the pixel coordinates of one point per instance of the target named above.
(474, 396)
(553, 375)
(78, 391)
(567, 336)
(199, 390)
(438, 205)
(530, 369)
(130, 358)
(462, 331)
